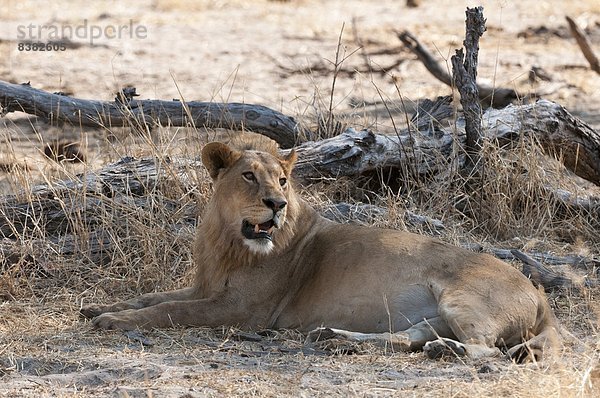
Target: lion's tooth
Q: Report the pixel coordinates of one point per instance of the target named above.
(256, 228)
(270, 231)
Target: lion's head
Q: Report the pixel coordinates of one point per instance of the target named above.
(253, 199)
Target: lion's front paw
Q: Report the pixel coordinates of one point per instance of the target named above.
(444, 348)
(92, 311)
(114, 321)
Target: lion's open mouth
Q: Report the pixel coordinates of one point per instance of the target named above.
(258, 231)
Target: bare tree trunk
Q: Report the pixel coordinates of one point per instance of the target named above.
(464, 72)
(126, 111)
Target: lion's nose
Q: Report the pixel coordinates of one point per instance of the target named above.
(274, 204)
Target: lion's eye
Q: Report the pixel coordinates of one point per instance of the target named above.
(282, 181)
(249, 176)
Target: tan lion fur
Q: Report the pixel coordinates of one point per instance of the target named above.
(364, 283)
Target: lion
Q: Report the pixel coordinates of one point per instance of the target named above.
(265, 258)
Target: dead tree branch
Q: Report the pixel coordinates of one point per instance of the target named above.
(489, 96)
(414, 45)
(323, 68)
(126, 111)
(584, 45)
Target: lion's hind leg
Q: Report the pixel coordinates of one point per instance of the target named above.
(398, 340)
(411, 339)
(537, 347)
(143, 301)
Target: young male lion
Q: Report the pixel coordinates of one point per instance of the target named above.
(266, 259)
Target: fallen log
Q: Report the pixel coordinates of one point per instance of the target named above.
(127, 111)
(55, 210)
(573, 260)
(362, 213)
(352, 152)
(431, 151)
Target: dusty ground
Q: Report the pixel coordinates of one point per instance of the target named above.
(244, 51)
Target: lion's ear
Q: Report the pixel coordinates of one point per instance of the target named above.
(217, 156)
(288, 161)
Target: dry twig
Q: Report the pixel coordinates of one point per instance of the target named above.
(584, 45)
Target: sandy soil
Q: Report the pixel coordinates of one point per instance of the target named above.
(244, 51)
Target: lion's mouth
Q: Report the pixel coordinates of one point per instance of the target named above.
(258, 231)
